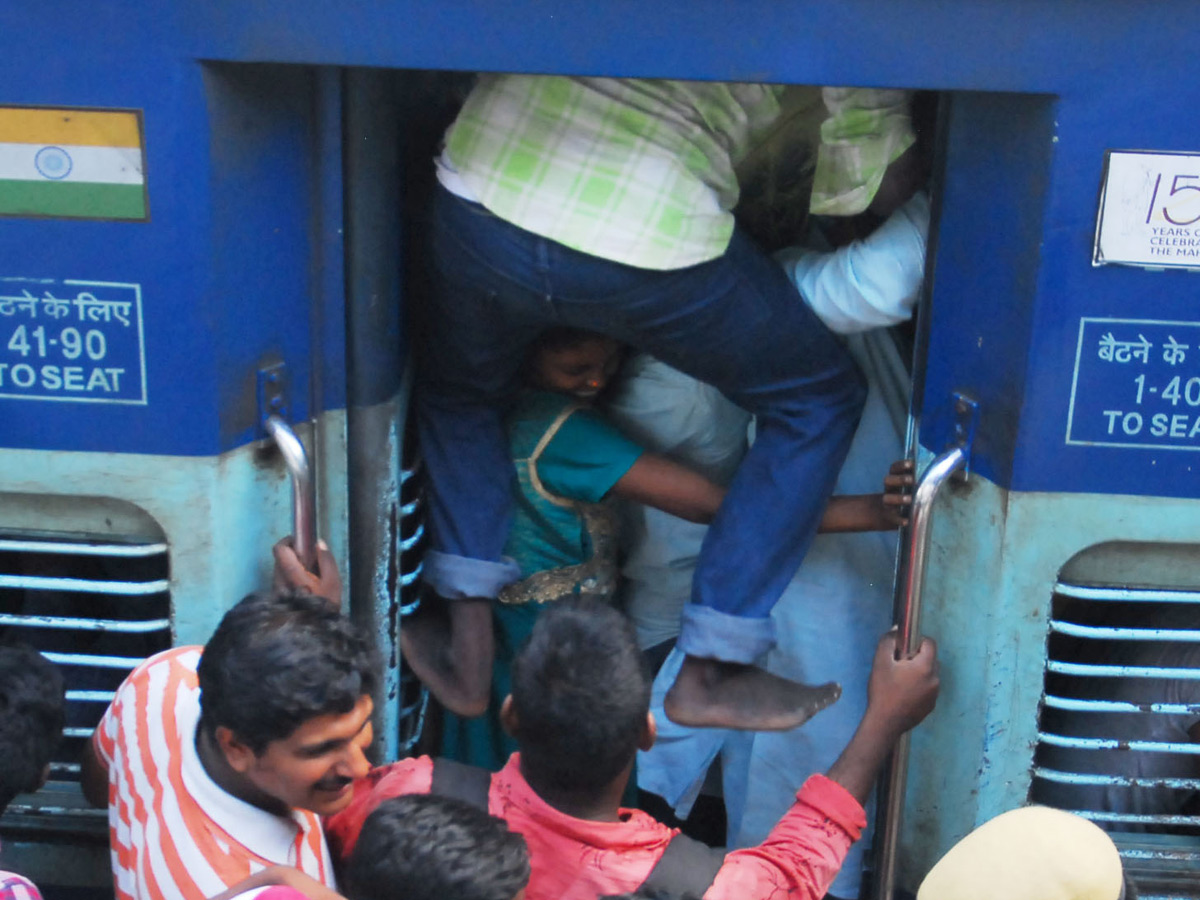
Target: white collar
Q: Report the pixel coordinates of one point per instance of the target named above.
(270, 836)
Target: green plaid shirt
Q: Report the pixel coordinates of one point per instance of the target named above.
(639, 172)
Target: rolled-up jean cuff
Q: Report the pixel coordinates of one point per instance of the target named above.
(462, 578)
(716, 635)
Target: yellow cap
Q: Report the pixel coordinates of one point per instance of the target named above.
(1033, 853)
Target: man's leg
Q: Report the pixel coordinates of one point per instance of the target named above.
(470, 349)
(737, 323)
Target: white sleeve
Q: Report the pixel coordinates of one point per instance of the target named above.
(869, 283)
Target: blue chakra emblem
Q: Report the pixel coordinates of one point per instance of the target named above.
(53, 163)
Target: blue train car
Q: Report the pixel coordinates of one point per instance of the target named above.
(209, 213)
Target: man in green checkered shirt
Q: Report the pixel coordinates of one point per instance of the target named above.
(606, 205)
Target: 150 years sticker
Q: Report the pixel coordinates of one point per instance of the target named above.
(71, 340)
(1149, 210)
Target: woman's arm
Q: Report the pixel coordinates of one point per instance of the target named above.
(873, 512)
(664, 484)
(675, 489)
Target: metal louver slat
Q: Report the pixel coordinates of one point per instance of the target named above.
(1061, 740)
(1174, 709)
(1126, 594)
(81, 624)
(88, 659)
(83, 586)
(1122, 780)
(90, 696)
(8, 545)
(1106, 671)
(1125, 634)
(1134, 818)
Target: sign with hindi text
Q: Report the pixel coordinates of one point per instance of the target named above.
(1136, 384)
(71, 340)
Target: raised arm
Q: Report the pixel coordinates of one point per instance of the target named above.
(900, 694)
(803, 853)
(664, 484)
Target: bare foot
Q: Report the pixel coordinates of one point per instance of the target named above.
(709, 693)
(449, 646)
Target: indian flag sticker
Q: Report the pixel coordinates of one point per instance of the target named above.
(72, 163)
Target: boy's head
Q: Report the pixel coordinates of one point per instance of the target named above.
(580, 704)
(572, 361)
(32, 705)
(285, 695)
(425, 847)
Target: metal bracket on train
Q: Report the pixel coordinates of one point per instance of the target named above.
(272, 395)
(966, 420)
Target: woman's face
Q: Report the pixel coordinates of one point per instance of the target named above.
(581, 370)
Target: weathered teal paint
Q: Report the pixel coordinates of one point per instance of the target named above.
(996, 556)
(219, 514)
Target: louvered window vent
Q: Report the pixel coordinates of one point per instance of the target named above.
(97, 609)
(1119, 727)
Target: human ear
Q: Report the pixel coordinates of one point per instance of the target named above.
(238, 755)
(649, 732)
(508, 717)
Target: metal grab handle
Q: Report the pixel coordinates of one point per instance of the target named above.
(908, 623)
(304, 492)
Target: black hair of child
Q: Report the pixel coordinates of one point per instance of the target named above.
(580, 695)
(32, 713)
(427, 847)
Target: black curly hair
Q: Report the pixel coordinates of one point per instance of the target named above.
(278, 660)
(32, 703)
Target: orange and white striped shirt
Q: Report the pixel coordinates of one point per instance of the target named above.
(174, 834)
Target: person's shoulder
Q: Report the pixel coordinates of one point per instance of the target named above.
(157, 682)
(413, 775)
(651, 829)
(167, 666)
(17, 887)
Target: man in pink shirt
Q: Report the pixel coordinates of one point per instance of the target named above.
(580, 711)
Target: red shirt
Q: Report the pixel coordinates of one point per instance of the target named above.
(578, 859)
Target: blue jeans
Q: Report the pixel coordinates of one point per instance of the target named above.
(735, 322)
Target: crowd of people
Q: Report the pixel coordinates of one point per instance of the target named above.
(239, 770)
(634, 419)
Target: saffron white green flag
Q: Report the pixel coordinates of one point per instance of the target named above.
(71, 163)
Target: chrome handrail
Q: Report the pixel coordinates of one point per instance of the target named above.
(908, 622)
(304, 492)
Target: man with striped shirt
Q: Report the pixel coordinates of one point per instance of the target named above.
(218, 761)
